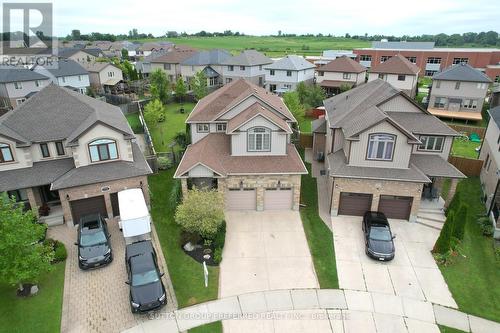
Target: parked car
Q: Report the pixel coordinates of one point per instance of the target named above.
(379, 242)
(94, 246)
(144, 278)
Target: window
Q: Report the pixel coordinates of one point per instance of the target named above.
(111, 74)
(438, 84)
(288, 87)
(430, 73)
(488, 167)
(433, 60)
(482, 86)
(498, 140)
(497, 78)
(380, 147)
(457, 85)
(60, 148)
(259, 139)
(45, 150)
(18, 85)
(19, 195)
(230, 68)
(440, 102)
(203, 128)
(79, 77)
(5, 153)
(271, 72)
(242, 68)
(413, 60)
(365, 57)
(457, 61)
(321, 73)
(346, 76)
(167, 66)
(221, 127)
(381, 76)
(228, 80)
(64, 79)
(38, 83)
(260, 67)
(401, 77)
(288, 73)
(384, 58)
(20, 101)
(213, 81)
(431, 143)
(469, 104)
(103, 150)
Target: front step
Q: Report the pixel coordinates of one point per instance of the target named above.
(431, 210)
(430, 223)
(433, 217)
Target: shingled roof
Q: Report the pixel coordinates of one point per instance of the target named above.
(396, 65)
(18, 74)
(248, 58)
(174, 57)
(461, 72)
(291, 63)
(203, 58)
(344, 65)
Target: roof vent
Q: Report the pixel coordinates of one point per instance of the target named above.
(346, 96)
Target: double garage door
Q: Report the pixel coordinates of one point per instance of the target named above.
(246, 199)
(395, 207)
(83, 207)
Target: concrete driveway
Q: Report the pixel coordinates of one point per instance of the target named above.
(412, 273)
(265, 251)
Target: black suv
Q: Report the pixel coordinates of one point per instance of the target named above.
(144, 278)
(378, 237)
(94, 247)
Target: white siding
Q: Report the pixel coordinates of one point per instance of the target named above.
(104, 74)
(399, 104)
(408, 84)
(200, 171)
(278, 139)
(467, 90)
(27, 87)
(356, 78)
(22, 156)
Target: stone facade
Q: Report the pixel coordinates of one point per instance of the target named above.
(376, 188)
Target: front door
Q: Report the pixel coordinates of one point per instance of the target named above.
(49, 196)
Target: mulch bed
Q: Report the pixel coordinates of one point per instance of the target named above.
(197, 254)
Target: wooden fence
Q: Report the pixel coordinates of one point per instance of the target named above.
(469, 167)
(306, 140)
(469, 129)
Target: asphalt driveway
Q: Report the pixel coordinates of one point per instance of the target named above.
(412, 273)
(265, 251)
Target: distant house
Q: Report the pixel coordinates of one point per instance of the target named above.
(17, 84)
(342, 71)
(104, 77)
(458, 92)
(80, 55)
(399, 72)
(283, 75)
(249, 65)
(210, 62)
(170, 62)
(143, 66)
(67, 73)
(147, 49)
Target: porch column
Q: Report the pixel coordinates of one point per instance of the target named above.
(184, 186)
(34, 199)
(451, 193)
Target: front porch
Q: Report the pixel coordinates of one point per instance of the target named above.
(46, 204)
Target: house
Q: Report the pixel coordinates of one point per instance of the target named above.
(80, 55)
(383, 152)
(329, 55)
(148, 48)
(249, 65)
(104, 77)
(338, 73)
(17, 84)
(210, 62)
(283, 75)
(71, 153)
(241, 146)
(170, 62)
(67, 73)
(490, 174)
(458, 92)
(143, 66)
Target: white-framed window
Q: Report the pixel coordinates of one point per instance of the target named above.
(321, 73)
(431, 143)
(457, 85)
(20, 101)
(381, 147)
(203, 128)
(259, 139)
(401, 77)
(457, 61)
(482, 86)
(365, 57)
(438, 84)
(213, 81)
(497, 78)
(38, 83)
(469, 104)
(288, 73)
(242, 68)
(103, 150)
(111, 74)
(346, 76)
(384, 58)
(260, 67)
(60, 148)
(271, 72)
(220, 127)
(18, 85)
(230, 68)
(167, 66)
(5, 153)
(413, 60)
(433, 60)
(440, 102)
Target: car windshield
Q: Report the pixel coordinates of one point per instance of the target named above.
(93, 238)
(380, 234)
(142, 278)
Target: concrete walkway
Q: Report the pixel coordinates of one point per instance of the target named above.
(318, 311)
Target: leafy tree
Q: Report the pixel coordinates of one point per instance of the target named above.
(75, 34)
(182, 139)
(160, 86)
(459, 222)
(23, 258)
(301, 91)
(344, 87)
(315, 96)
(443, 243)
(201, 212)
(199, 85)
(180, 89)
(124, 54)
(154, 112)
(292, 102)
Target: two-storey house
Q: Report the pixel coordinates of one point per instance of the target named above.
(343, 71)
(285, 74)
(69, 154)
(170, 62)
(17, 84)
(398, 71)
(458, 92)
(383, 152)
(66, 73)
(241, 146)
(208, 62)
(80, 55)
(104, 77)
(248, 65)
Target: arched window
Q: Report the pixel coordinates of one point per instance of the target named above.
(103, 150)
(5, 153)
(259, 139)
(380, 147)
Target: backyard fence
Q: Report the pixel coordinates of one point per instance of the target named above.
(468, 166)
(306, 140)
(151, 158)
(469, 130)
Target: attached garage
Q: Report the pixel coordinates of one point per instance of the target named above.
(241, 199)
(395, 207)
(354, 203)
(278, 199)
(88, 206)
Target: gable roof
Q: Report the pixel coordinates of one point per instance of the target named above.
(68, 52)
(396, 65)
(343, 64)
(174, 57)
(253, 111)
(292, 63)
(67, 67)
(203, 58)
(495, 115)
(18, 74)
(461, 72)
(248, 58)
(96, 66)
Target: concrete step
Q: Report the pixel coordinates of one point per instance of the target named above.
(431, 210)
(437, 217)
(53, 220)
(430, 223)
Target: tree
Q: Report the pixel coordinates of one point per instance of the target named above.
(23, 258)
(443, 243)
(201, 212)
(301, 91)
(182, 139)
(124, 53)
(160, 87)
(292, 102)
(344, 87)
(154, 112)
(459, 222)
(180, 89)
(314, 96)
(199, 85)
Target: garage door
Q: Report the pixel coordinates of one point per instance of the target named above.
(395, 207)
(241, 199)
(88, 206)
(278, 199)
(354, 203)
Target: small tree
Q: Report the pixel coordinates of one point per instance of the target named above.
(160, 87)
(292, 102)
(23, 258)
(182, 139)
(180, 89)
(125, 54)
(301, 92)
(154, 112)
(459, 222)
(201, 212)
(344, 87)
(199, 85)
(443, 243)
(315, 96)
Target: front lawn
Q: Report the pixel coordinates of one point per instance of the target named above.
(473, 276)
(446, 329)
(40, 313)
(185, 272)
(465, 148)
(215, 327)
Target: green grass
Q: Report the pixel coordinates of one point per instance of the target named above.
(215, 327)
(465, 148)
(446, 329)
(319, 237)
(424, 81)
(445, 190)
(41, 313)
(134, 122)
(473, 277)
(304, 123)
(185, 272)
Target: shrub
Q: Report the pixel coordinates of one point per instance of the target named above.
(176, 192)
(189, 237)
(443, 243)
(459, 222)
(60, 253)
(220, 237)
(164, 163)
(218, 255)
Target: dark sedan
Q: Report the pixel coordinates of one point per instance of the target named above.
(378, 236)
(94, 247)
(144, 278)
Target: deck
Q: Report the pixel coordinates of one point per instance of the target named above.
(463, 115)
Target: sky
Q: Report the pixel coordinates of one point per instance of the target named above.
(265, 17)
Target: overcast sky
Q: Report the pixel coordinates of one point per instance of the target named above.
(264, 17)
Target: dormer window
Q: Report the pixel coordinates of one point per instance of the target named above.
(45, 150)
(381, 147)
(103, 150)
(5, 153)
(203, 128)
(259, 139)
(221, 127)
